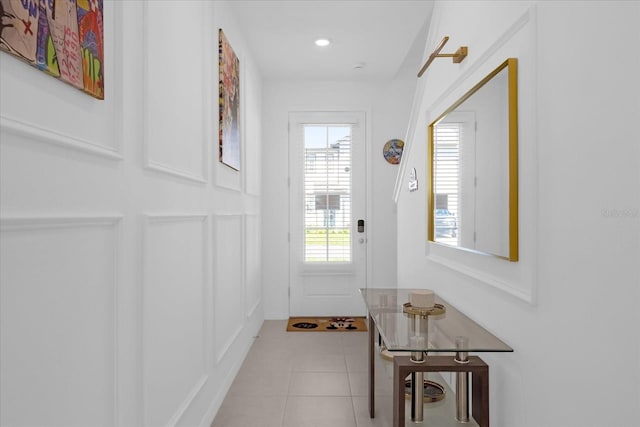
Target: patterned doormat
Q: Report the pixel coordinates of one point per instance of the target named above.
(327, 324)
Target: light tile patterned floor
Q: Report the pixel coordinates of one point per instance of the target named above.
(303, 379)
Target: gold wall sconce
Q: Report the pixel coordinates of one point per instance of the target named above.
(458, 56)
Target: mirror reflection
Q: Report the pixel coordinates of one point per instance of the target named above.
(473, 193)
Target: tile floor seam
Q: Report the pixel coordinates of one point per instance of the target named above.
(353, 408)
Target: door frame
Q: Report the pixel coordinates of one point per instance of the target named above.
(368, 187)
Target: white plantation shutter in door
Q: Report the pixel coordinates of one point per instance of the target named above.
(327, 193)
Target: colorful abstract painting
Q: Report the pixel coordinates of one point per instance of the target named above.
(64, 38)
(229, 103)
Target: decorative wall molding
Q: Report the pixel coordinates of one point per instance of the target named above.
(483, 276)
(149, 163)
(197, 387)
(113, 222)
(251, 309)
(219, 182)
(252, 239)
(18, 223)
(233, 326)
(41, 134)
(150, 220)
(177, 217)
(159, 167)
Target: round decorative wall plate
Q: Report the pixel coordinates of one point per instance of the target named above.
(392, 151)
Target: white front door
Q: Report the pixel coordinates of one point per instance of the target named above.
(327, 211)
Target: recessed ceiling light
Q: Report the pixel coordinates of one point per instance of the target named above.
(322, 42)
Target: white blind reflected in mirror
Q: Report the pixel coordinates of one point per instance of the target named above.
(447, 181)
(327, 193)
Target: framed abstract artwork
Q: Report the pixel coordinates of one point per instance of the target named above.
(229, 85)
(63, 38)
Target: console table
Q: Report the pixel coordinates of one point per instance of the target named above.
(443, 330)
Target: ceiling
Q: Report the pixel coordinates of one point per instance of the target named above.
(375, 34)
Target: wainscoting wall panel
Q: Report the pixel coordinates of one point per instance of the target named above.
(253, 265)
(228, 281)
(175, 294)
(108, 315)
(175, 141)
(58, 350)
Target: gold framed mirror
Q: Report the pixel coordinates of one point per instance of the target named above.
(473, 162)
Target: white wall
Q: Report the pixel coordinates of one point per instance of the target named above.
(130, 257)
(569, 306)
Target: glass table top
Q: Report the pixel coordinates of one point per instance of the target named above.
(444, 329)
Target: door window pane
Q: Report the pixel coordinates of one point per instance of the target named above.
(327, 193)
